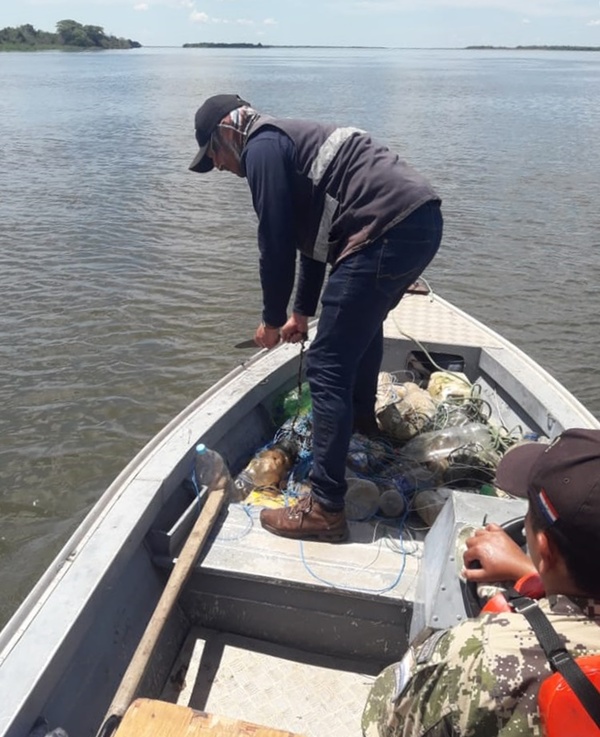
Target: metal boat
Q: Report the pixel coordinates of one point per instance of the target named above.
(265, 630)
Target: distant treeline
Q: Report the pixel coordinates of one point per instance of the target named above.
(225, 46)
(207, 45)
(539, 48)
(69, 34)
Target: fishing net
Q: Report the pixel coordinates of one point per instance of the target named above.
(431, 440)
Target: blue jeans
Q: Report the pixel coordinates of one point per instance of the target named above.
(344, 360)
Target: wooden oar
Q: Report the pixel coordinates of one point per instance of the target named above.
(188, 556)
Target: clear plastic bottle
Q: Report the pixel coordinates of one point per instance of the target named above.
(211, 470)
(438, 444)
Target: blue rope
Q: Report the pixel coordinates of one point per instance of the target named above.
(246, 508)
(194, 480)
(353, 588)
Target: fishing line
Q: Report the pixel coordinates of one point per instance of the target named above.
(249, 524)
(354, 588)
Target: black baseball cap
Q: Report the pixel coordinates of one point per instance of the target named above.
(561, 479)
(208, 117)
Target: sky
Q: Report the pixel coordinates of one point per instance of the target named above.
(388, 23)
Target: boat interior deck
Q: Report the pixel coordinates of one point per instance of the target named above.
(281, 687)
(291, 634)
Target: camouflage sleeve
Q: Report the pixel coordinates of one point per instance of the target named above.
(440, 689)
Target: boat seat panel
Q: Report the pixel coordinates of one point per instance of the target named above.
(152, 718)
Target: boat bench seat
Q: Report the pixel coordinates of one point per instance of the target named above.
(152, 718)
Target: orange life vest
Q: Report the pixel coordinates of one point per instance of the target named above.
(529, 585)
(562, 713)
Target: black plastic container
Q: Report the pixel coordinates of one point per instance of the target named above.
(422, 365)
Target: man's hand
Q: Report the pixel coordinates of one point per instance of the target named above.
(295, 329)
(500, 557)
(266, 336)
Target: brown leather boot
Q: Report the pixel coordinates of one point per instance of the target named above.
(308, 520)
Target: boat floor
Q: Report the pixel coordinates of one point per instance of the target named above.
(270, 685)
(426, 318)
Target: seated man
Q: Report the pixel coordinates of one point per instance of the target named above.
(481, 678)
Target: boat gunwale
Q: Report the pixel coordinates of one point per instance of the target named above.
(566, 395)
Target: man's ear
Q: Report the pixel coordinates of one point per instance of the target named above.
(550, 559)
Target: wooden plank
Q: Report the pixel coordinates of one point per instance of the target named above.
(182, 570)
(151, 718)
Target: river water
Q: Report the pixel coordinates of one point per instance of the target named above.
(126, 280)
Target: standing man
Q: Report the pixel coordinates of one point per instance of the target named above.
(339, 198)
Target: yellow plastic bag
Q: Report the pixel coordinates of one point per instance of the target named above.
(265, 498)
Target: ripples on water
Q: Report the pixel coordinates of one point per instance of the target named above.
(126, 280)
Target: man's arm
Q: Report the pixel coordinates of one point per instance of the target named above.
(310, 283)
(445, 687)
(409, 698)
(269, 163)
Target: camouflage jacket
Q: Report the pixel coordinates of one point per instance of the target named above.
(478, 679)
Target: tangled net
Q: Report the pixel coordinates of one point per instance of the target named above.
(456, 445)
